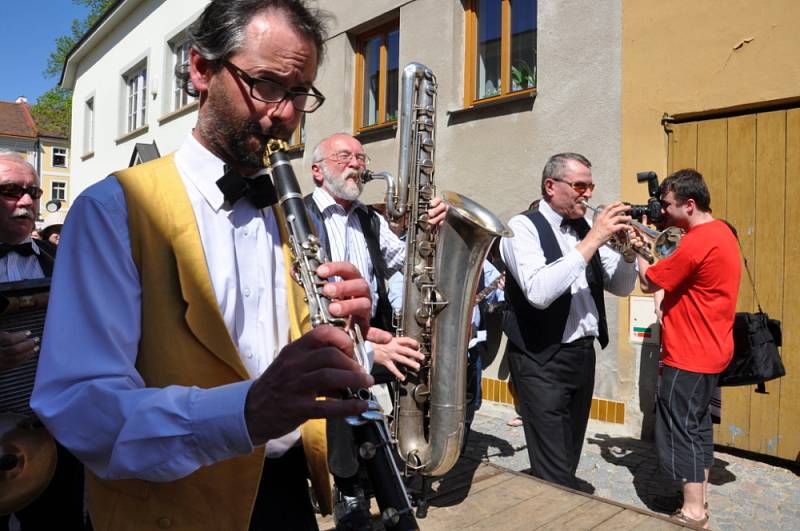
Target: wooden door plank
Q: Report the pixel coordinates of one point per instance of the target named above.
(586, 516)
(712, 161)
(735, 427)
(684, 146)
(549, 505)
(769, 261)
(789, 413)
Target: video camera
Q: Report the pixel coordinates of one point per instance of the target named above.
(653, 207)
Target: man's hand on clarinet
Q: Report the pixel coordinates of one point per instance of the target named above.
(321, 363)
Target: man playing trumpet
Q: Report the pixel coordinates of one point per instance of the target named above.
(559, 267)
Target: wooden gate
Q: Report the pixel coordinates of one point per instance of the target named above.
(752, 165)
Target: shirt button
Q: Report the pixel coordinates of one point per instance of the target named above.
(246, 292)
(246, 231)
(249, 354)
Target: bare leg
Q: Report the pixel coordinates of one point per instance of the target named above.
(693, 496)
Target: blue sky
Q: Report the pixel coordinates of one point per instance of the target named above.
(28, 30)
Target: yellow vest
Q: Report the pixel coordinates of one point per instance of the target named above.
(184, 342)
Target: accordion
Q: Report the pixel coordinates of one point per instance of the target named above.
(23, 306)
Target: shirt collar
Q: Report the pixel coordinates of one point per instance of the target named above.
(325, 200)
(203, 168)
(552, 217)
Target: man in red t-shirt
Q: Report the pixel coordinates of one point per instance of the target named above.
(701, 284)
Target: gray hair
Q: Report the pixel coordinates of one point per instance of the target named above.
(318, 154)
(219, 31)
(13, 156)
(557, 164)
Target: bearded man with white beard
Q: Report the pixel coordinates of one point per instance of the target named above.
(352, 232)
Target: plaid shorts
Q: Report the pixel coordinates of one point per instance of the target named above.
(684, 435)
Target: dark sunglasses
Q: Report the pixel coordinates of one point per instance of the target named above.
(16, 191)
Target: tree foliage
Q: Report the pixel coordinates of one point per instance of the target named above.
(53, 109)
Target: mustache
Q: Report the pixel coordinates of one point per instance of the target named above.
(23, 213)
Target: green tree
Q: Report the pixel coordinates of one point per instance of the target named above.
(53, 109)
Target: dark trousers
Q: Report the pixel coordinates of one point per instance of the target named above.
(283, 500)
(60, 506)
(555, 398)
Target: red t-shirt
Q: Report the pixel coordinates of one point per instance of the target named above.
(701, 285)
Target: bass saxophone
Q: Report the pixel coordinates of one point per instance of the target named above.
(442, 271)
(370, 432)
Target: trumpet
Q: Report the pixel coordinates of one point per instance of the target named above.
(659, 244)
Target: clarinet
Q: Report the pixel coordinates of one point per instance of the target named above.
(370, 432)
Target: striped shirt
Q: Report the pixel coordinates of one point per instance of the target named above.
(347, 243)
(15, 267)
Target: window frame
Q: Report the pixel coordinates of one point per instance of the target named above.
(178, 97)
(135, 81)
(361, 41)
(297, 141)
(62, 188)
(88, 125)
(471, 55)
(53, 157)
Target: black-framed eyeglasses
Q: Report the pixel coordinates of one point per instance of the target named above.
(304, 99)
(16, 191)
(344, 157)
(579, 186)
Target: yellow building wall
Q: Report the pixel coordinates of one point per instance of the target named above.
(49, 174)
(693, 59)
(686, 56)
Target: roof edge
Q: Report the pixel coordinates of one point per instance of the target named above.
(102, 26)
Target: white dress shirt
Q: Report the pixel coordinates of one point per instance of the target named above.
(347, 243)
(544, 283)
(87, 376)
(14, 267)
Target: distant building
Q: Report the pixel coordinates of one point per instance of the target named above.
(126, 100)
(48, 152)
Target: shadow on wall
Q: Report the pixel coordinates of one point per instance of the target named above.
(658, 492)
(648, 379)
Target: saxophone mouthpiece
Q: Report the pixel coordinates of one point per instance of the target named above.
(365, 175)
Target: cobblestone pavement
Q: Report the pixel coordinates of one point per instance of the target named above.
(744, 494)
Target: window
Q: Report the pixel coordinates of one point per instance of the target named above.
(58, 191)
(377, 76)
(180, 56)
(59, 157)
(298, 139)
(88, 126)
(136, 82)
(500, 48)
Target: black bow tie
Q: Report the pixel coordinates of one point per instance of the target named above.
(23, 249)
(579, 225)
(258, 190)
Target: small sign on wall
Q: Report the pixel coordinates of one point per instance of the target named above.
(644, 326)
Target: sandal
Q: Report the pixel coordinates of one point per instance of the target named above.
(692, 522)
(516, 422)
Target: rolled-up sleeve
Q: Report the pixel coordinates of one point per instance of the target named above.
(88, 392)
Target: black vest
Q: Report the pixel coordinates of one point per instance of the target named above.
(371, 228)
(538, 333)
(46, 257)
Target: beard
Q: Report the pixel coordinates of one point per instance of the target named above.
(240, 140)
(340, 186)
